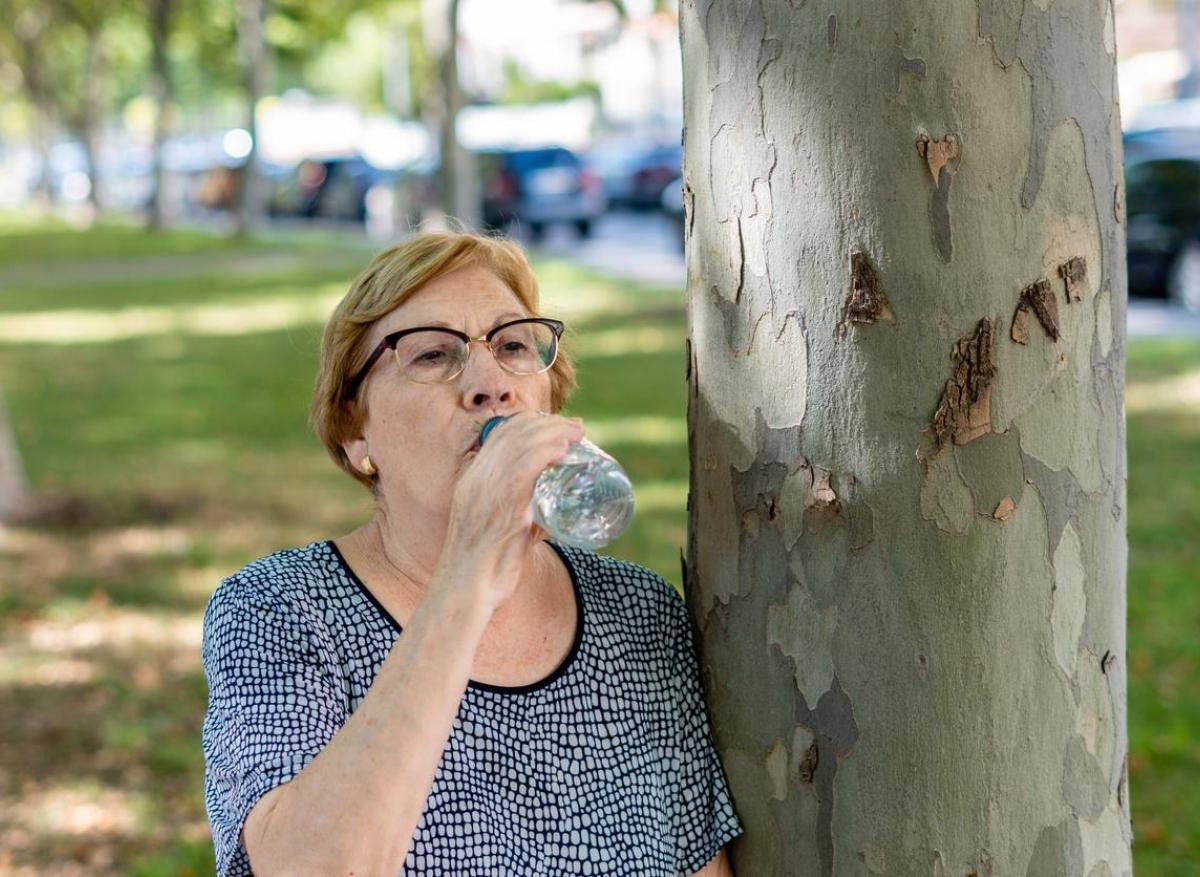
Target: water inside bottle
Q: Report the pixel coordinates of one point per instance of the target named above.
(584, 501)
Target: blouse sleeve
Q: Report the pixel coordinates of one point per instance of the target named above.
(274, 702)
(705, 818)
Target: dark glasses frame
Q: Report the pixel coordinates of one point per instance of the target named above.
(389, 343)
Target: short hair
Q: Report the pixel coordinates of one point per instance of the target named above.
(391, 278)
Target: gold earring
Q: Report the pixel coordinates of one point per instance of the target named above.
(367, 466)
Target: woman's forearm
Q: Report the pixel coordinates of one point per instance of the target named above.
(355, 807)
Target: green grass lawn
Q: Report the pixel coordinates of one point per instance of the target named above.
(159, 386)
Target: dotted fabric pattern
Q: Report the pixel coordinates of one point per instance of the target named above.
(604, 767)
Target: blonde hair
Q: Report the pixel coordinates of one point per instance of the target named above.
(391, 278)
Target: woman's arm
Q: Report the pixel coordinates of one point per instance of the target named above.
(718, 867)
(355, 807)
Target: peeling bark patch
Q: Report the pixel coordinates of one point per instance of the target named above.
(1060, 493)
(1039, 298)
(1084, 788)
(776, 766)
(1058, 851)
(1074, 275)
(808, 765)
(762, 558)
(1123, 783)
(964, 413)
(939, 219)
(867, 302)
(1020, 324)
(822, 505)
(1004, 509)
(915, 67)
(820, 495)
(836, 734)
(689, 208)
(940, 155)
(1069, 600)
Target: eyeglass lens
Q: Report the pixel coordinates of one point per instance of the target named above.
(432, 356)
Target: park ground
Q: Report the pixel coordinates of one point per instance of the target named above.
(159, 388)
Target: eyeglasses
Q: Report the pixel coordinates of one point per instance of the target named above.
(435, 355)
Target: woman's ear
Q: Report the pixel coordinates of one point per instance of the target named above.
(356, 451)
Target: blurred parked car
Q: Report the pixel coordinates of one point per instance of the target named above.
(327, 188)
(219, 187)
(1162, 198)
(636, 172)
(536, 187)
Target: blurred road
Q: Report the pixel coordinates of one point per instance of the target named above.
(635, 246)
(1155, 318)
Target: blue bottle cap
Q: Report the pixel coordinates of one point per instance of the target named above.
(488, 427)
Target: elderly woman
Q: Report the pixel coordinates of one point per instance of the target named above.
(445, 690)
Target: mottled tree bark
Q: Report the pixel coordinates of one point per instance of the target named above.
(907, 547)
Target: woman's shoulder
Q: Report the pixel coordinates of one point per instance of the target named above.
(283, 578)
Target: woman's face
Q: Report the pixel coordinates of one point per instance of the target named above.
(418, 435)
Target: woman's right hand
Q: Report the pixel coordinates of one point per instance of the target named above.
(490, 536)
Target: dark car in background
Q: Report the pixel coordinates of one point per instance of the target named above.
(636, 172)
(327, 188)
(533, 188)
(1162, 198)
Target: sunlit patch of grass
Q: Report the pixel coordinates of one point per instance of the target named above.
(26, 241)
(646, 430)
(61, 327)
(1175, 393)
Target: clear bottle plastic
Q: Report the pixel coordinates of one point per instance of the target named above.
(585, 499)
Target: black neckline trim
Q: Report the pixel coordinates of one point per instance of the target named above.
(471, 683)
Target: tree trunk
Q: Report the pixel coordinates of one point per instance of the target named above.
(161, 88)
(14, 487)
(252, 14)
(457, 173)
(907, 548)
(91, 114)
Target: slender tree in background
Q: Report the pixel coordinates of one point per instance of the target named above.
(251, 16)
(907, 544)
(14, 487)
(23, 44)
(159, 15)
(444, 100)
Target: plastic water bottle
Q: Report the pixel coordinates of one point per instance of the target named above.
(584, 500)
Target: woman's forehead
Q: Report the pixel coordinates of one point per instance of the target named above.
(472, 303)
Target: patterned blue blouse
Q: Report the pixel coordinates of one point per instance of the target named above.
(606, 766)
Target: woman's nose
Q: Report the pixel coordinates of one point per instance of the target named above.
(484, 382)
